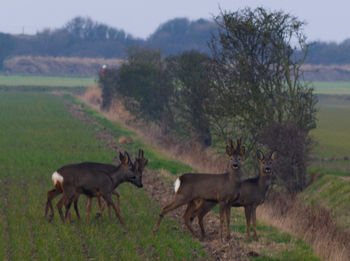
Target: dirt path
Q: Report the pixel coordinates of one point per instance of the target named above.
(234, 249)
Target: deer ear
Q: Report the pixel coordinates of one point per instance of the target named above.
(273, 155)
(121, 157)
(260, 155)
(242, 151)
(126, 158)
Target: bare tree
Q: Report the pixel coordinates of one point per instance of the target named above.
(256, 76)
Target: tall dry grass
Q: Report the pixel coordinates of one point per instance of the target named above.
(314, 224)
(188, 151)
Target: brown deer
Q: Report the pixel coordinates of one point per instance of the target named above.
(252, 194)
(219, 188)
(92, 179)
(141, 162)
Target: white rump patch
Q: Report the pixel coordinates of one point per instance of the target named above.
(57, 178)
(177, 184)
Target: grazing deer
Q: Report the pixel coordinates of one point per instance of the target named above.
(252, 194)
(93, 180)
(220, 188)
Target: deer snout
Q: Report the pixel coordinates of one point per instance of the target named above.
(235, 165)
(267, 169)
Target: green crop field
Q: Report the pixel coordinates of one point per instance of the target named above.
(39, 135)
(45, 81)
(333, 127)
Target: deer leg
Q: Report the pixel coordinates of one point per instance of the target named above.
(177, 202)
(59, 207)
(228, 215)
(190, 206)
(118, 198)
(68, 204)
(247, 211)
(76, 205)
(100, 207)
(200, 222)
(109, 200)
(254, 223)
(222, 217)
(50, 196)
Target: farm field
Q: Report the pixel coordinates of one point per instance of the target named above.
(45, 81)
(332, 133)
(39, 135)
(332, 88)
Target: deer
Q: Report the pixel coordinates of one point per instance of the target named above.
(252, 194)
(219, 188)
(141, 162)
(92, 179)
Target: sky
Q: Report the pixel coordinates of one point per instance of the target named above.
(327, 20)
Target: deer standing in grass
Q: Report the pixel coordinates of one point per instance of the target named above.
(252, 194)
(219, 188)
(92, 179)
(140, 164)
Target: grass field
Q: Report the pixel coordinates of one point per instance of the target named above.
(38, 135)
(333, 127)
(334, 88)
(45, 81)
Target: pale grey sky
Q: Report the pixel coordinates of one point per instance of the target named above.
(327, 20)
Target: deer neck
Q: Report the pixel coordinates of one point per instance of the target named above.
(234, 174)
(117, 178)
(264, 181)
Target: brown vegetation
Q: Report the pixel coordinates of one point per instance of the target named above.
(58, 65)
(313, 223)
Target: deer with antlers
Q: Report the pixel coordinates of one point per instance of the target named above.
(252, 194)
(219, 188)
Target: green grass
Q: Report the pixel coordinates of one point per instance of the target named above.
(332, 133)
(337, 88)
(38, 135)
(332, 192)
(45, 81)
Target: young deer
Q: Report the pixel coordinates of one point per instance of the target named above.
(93, 180)
(220, 188)
(252, 194)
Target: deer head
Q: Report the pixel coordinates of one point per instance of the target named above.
(235, 154)
(266, 163)
(131, 173)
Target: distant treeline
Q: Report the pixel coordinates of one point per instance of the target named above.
(83, 37)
